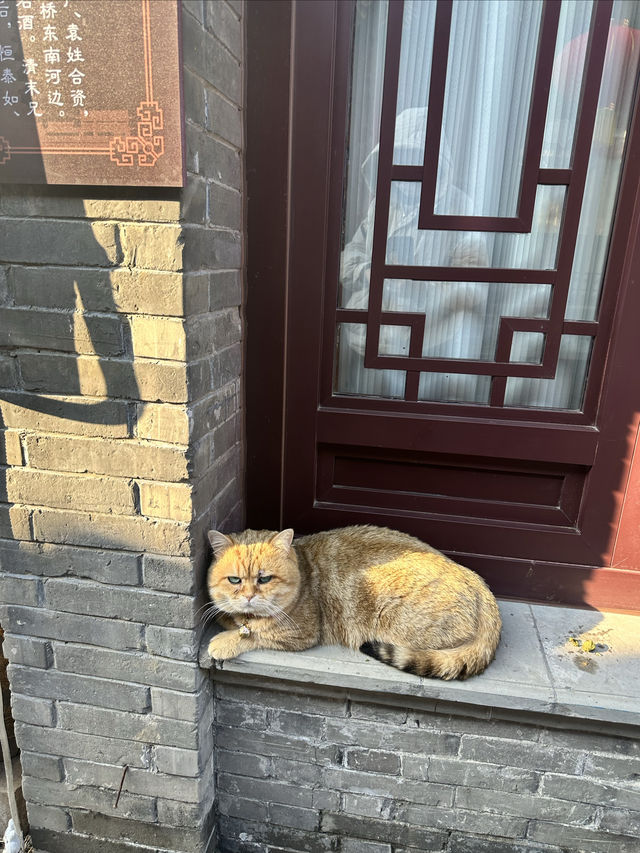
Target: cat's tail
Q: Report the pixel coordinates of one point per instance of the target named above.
(462, 661)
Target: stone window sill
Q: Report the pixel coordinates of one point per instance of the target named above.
(537, 668)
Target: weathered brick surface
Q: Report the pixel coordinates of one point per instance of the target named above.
(20, 410)
(47, 560)
(104, 456)
(39, 488)
(52, 684)
(27, 651)
(58, 625)
(100, 530)
(56, 330)
(165, 500)
(299, 769)
(168, 574)
(53, 818)
(34, 737)
(132, 667)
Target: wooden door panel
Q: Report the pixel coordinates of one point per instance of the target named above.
(530, 498)
(443, 485)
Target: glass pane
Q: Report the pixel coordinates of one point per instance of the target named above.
(394, 340)
(492, 53)
(364, 133)
(605, 164)
(352, 377)
(566, 391)
(408, 245)
(463, 317)
(527, 347)
(513, 300)
(454, 388)
(566, 81)
(418, 21)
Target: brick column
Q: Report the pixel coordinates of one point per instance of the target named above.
(120, 364)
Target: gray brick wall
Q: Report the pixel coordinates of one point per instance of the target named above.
(120, 443)
(302, 770)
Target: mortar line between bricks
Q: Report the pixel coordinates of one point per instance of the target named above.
(110, 220)
(12, 400)
(89, 583)
(223, 229)
(84, 268)
(122, 442)
(215, 183)
(40, 547)
(128, 360)
(82, 220)
(68, 312)
(210, 87)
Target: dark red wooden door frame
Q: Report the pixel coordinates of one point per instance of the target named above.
(295, 204)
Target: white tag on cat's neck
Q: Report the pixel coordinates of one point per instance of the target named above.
(244, 630)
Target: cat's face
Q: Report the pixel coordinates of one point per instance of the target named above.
(257, 578)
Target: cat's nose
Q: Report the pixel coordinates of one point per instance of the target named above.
(249, 597)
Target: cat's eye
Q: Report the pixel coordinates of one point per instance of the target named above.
(265, 578)
(233, 580)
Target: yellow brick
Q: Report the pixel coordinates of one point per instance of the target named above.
(70, 491)
(137, 291)
(165, 500)
(10, 447)
(158, 337)
(161, 422)
(149, 210)
(111, 457)
(155, 247)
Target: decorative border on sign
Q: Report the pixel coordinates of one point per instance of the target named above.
(148, 144)
(142, 149)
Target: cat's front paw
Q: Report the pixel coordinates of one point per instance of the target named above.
(223, 646)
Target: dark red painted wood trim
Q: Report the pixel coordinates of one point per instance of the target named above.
(456, 411)
(491, 274)
(317, 39)
(267, 163)
(560, 443)
(556, 177)
(616, 472)
(552, 583)
(383, 186)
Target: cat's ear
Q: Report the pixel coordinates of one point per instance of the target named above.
(283, 540)
(219, 542)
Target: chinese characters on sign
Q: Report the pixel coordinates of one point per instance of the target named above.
(90, 92)
(50, 71)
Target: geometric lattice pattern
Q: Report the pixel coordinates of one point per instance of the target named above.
(553, 325)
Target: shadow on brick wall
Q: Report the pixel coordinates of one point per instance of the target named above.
(39, 343)
(66, 360)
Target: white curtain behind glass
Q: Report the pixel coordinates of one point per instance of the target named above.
(492, 53)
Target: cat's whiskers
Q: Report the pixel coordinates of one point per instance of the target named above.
(205, 606)
(211, 610)
(280, 615)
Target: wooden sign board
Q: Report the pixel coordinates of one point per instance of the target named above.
(90, 92)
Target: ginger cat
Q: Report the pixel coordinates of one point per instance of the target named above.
(369, 588)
